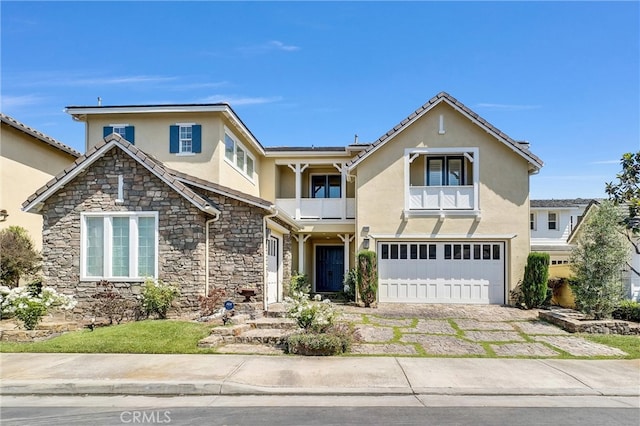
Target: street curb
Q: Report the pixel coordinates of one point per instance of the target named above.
(205, 388)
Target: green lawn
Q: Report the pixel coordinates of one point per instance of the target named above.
(629, 344)
(152, 337)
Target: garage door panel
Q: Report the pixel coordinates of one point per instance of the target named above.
(442, 272)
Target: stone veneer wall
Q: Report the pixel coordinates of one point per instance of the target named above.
(236, 239)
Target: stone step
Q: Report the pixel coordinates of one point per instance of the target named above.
(210, 341)
(230, 330)
(269, 336)
(273, 322)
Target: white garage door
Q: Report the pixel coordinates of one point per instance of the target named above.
(441, 272)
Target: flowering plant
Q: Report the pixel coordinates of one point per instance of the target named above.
(157, 297)
(29, 307)
(316, 316)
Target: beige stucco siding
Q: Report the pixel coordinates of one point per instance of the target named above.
(152, 136)
(26, 164)
(503, 189)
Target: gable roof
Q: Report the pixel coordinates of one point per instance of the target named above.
(518, 147)
(21, 127)
(576, 229)
(96, 152)
(567, 203)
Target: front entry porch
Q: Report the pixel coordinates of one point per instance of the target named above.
(324, 258)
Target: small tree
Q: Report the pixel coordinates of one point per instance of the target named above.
(367, 277)
(536, 275)
(597, 262)
(18, 256)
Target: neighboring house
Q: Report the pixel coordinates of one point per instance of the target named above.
(187, 194)
(631, 274)
(551, 222)
(28, 159)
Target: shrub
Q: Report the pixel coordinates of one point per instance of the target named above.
(30, 308)
(628, 310)
(314, 316)
(110, 304)
(157, 297)
(212, 302)
(534, 284)
(367, 277)
(350, 282)
(314, 344)
(299, 284)
(597, 261)
(19, 256)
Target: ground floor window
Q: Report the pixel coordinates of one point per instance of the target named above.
(119, 245)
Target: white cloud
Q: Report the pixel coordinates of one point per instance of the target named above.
(58, 78)
(270, 46)
(605, 162)
(507, 107)
(9, 101)
(234, 100)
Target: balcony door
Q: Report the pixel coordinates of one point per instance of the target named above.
(326, 186)
(445, 171)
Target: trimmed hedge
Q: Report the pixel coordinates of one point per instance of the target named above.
(536, 275)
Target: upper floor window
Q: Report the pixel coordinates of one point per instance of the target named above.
(532, 221)
(446, 171)
(124, 130)
(326, 186)
(185, 138)
(238, 156)
(553, 220)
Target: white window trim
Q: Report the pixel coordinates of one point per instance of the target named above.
(471, 153)
(311, 175)
(117, 126)
(180, 127)
(236, 144)
(557, 221)
(133, 237)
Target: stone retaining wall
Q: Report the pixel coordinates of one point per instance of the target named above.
(576, 322)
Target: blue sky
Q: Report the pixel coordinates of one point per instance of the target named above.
(564, 76)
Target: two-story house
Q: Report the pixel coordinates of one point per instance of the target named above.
(187, 193)
(551, 223)
(28, 159)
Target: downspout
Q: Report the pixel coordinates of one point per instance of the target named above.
(206, 250)
(274, 213)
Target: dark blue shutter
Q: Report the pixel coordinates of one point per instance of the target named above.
(130, 134)
(196, 138)
(107, 130)
(174, 139)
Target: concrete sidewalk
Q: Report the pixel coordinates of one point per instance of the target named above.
(140, 374)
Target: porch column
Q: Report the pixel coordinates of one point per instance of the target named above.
(346, 239)
(301, 239)
(343, 188)
(298, 169)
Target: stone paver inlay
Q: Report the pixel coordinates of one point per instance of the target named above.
(538, 327)
(369, 333)
(450, 345)
(578, 346)
(391, 322)
(431, 327)
(467, 324)
(493, 336)
(383, 349)
(523, 349)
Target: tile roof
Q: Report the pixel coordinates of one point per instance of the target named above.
(38, 135)
(518, 146)
(146, 160)
(553, 203)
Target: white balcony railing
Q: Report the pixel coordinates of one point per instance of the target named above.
(318, 208)
(442, 197)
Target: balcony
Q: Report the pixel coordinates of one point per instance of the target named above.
(318, 208)
(442, 197)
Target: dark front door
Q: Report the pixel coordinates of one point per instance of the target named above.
(329, 268)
